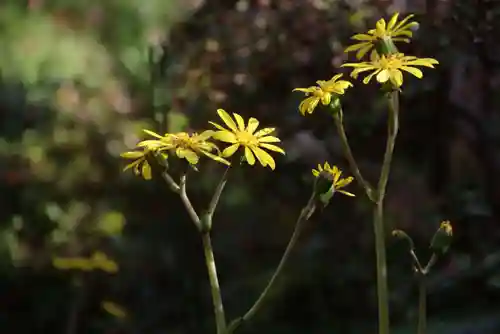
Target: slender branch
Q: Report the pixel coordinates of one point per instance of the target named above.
(220, 318)
(378, 219)
(350, 157)
(208, 216)
(171, 183)
(187, 203)
(418, 266)
(304, 216)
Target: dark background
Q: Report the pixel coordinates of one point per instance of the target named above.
(81, 78)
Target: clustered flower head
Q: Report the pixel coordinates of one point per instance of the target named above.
(323, 92)
(192, 146)
(386, 63)
(334, 175)
(240, 135)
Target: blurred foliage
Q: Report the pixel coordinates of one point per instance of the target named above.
(81, 78)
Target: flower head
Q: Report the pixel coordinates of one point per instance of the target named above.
(334, 173)
(140, 165)
(324, 92)
(389, 68)
(184, 145)
(237, 134)
(384, 33)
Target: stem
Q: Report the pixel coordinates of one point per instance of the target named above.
(208, 216)
(305, 214)
(378, 219)
(220, 319)
(187, 203)
(422, 305)
(350, 157)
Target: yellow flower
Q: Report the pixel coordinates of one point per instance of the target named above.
(101, 261)
(392, 31)
(140, 164)
(114, 309)
(388, 68)
(323, 92)
(253, 142)
(185, 145)
(335, 173)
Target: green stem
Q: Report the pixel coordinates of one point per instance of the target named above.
(350, 157)
(378, 219)
(305, 214)
(187, 203)
(220, 319)
(208, 216)
(422, 305)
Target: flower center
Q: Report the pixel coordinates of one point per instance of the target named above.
(246, 139)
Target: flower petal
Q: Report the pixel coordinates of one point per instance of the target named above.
(264, 132)
(383, 76)
(269, 139)
(253, 124)
(346, 193)
(249, 156)
(415, 71)
(271, 147)
(227, 119)
(132, 154)
(218, 126)
(225, 136)
(146, 171)
(240, 121)
(229, 151)
(151, 133)
(264, 158)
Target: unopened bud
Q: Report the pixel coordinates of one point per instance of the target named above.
(442, 238)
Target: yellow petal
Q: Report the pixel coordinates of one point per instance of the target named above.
(132, 154)
(151, 133)
(269, 139)
(271, 147)
(383, 76)
(380, 28)
(229, 151)
(369, 77)
(187, 154)
(363, 51)
(240, 121)
(227, 119)
(396, 77)
(392, 21)
(217, 158)
(362, 37)
(249, 156)
(225, 136)
(264, 132)
(315, 172)
(264, 158)
(415, 71)
(344, 182)
(217, 126)
(205, 135)
(346, 193)
(326, 98)
(308, 90)
(253, 124)
(133, 164)
(146, 171)
(356, 47)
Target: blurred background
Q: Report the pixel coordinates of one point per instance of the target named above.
(80, 79)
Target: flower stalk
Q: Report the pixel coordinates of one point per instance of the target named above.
(304, 216)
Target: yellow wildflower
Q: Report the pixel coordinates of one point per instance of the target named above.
(140, 164)
(101, 261)
(68, 263)
(389, 68)
(323, 92)
(335, 173)
(186, 146)
(114, 309)
(391, 31)
(253, 142)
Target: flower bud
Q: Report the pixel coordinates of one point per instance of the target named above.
(442, 238)
(324, 187)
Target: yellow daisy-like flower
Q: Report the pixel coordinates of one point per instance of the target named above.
(389, 68)
(335, 173)
(391, 31)
(140, 165)
(186, 146)
(323, 92)
(253, 142)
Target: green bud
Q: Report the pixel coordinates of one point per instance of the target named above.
(323, 187)
(385, 46)
(442, 238)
